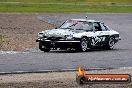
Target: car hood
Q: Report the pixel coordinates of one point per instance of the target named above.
(58, 32)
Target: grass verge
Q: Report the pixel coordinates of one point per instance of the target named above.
(64, 8)
(69, 1)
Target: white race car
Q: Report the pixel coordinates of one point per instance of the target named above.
(78, 34)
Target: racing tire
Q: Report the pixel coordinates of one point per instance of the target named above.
(83, 45)
(110, 44)
(43, 48)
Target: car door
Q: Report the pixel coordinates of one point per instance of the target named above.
(100, 34)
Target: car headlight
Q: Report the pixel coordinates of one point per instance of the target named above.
(40, 35)
(69, 37)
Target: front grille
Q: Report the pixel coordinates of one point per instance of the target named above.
(54, 38)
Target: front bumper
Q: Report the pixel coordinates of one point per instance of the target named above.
(117, 39)
(59, 44)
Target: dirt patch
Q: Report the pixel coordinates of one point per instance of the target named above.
(20, 30)
(57, 80)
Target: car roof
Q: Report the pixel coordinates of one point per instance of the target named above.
(85, 20)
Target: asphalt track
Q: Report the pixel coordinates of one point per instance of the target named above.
(35, 60)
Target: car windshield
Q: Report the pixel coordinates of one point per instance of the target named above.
(77, 25)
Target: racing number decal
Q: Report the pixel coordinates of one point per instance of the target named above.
(96, 40)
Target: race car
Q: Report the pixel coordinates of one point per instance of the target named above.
(79, 35)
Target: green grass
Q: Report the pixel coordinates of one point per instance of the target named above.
(69, 1)
(67, 6)
(53, 8)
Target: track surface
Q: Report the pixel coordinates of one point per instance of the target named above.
(35, 60)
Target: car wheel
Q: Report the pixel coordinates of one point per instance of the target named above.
(110, 44)
(43, 48)
(83, 45)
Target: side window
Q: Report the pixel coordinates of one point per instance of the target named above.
(88, 26)
(104, 28)
(79, 26)
(97, 26)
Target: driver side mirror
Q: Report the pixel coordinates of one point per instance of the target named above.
(96, 28)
